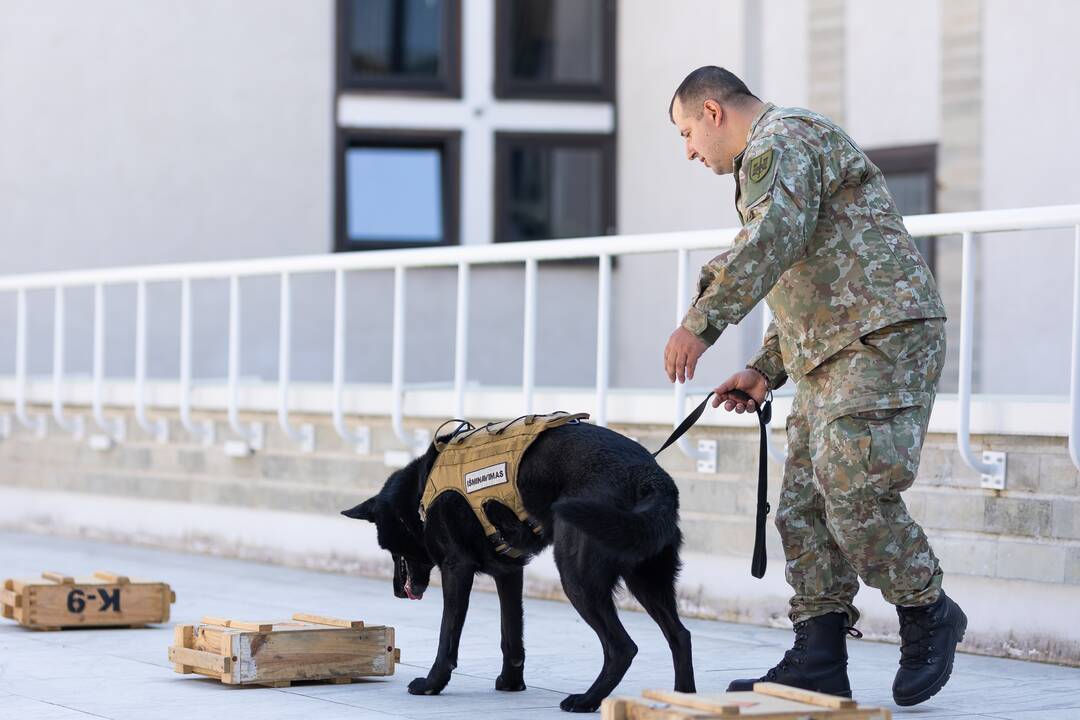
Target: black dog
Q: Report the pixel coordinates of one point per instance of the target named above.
(610, 511)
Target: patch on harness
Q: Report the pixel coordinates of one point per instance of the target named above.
(485, 477)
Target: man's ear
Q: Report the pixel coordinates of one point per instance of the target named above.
(714, 113)
(363, 511)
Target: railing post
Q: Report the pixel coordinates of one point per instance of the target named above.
(417, 442)
(114, 430)
(461, 340)
(75, 425)
(203, 431)
(1074, 374)
(159, 428)
(603, 337)
(253, 434)
(38, 424)
(305, 434)
(992, 465)
(705, 451)
(528, 346)
(361, 439)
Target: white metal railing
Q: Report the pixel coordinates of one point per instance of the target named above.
(463, 258)
(1074, 371)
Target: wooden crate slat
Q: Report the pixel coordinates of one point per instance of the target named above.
(323, 620)
(698, 702)
(238, 624)
(112, 577)
(60, 578)
(210, 662)
(807, 696)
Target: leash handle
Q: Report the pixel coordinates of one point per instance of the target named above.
(764, 414)
(686, 424)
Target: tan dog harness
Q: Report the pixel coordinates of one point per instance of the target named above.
(481, 465)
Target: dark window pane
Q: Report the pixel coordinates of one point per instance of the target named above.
(556, 42)
(396, 37)
(914, 195)
(912, 191)
(555, 192)
(393, 194)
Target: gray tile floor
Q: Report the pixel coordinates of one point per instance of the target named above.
(124, 674)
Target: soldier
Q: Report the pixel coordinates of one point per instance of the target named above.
(859, 327)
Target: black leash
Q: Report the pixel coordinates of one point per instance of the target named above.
(764, 415)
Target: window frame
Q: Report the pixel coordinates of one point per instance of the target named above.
(448, 141)
(507, 87)
(912, 159)
(504, 141)
(446, 84)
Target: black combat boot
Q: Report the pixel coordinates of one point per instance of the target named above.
(817, 661)
(928, 639)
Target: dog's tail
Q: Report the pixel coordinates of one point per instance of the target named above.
(634, 534)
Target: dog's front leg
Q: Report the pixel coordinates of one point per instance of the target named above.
(457, 584)
(513, 649)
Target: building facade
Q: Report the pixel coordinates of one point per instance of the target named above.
(152, 132)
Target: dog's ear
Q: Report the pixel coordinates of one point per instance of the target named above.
(363, 511)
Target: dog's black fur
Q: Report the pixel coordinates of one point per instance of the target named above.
(609, 510)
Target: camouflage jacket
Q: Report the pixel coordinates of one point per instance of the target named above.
(821, 237)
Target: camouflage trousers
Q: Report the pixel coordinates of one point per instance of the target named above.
(855, 434)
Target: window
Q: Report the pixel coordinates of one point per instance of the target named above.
(911, 174)
(396, 190)
(554, 186)
(400, 45)
(555, 49)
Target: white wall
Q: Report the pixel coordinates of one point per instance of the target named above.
(155, 131)
(658, 189)
(893, 78)
(1030, 153)
(158, 131)
(785, 44)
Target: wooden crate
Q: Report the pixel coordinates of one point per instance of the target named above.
(56, 601)
(308, 647)
(768, 701)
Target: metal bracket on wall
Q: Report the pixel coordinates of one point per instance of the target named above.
(362, 437)
(421, 440)
(255, 441)
(996, 462)
(706, 456)
(307, 438)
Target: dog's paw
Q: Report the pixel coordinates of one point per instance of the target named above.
(509, 684)
(579, 703)
(420, 686)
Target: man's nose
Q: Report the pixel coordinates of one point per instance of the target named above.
(691, 153)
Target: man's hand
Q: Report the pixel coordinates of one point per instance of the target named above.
(682, 353)
(748, 381)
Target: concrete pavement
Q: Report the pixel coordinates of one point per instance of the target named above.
(125, 675)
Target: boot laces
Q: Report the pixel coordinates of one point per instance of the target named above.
(795, 655)
(916, 637)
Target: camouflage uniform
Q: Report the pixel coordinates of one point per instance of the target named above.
(859, 326)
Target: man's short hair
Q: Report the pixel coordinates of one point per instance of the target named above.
(709, 83)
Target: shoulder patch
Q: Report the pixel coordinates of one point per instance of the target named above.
(760, 172)
(759, 165)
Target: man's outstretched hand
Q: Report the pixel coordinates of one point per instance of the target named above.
(748, 381)
(682, 353)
